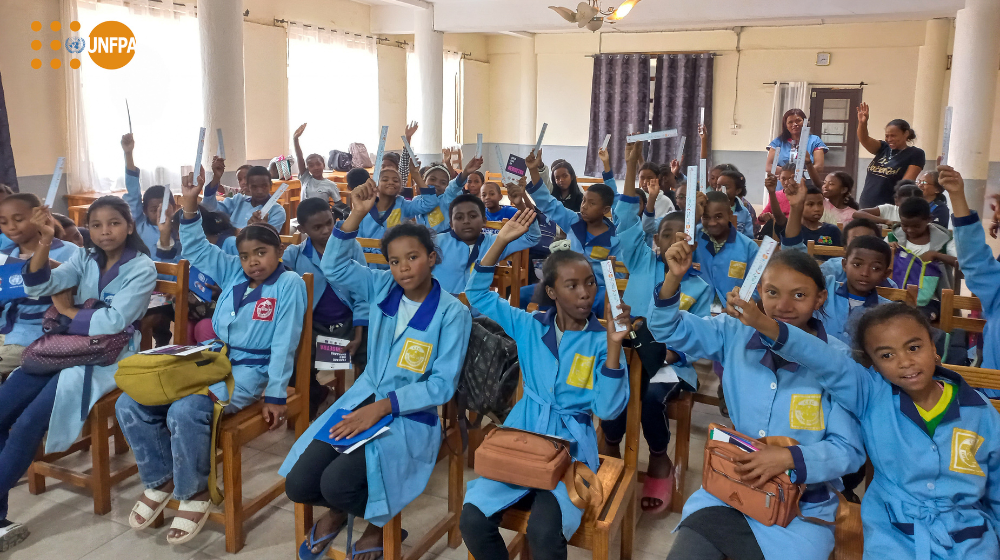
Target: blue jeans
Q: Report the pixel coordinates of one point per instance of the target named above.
(170, 441)
(26, 403)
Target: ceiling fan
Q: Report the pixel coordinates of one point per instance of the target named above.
(590, 15)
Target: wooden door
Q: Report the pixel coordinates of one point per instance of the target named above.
(833, 116)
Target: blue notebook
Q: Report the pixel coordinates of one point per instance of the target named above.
(199, 283)
(11, 284)
(324, 433)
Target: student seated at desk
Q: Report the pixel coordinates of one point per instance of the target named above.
(240, 207)
(572, 368)
(418, 337)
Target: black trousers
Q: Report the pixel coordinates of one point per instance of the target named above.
(715, 533)
(327, 478)
(545, 538)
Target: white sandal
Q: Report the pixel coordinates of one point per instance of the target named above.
(143, 510)
(190, 527)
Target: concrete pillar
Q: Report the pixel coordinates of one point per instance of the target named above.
(976, 57)
(931, 63)
(220, 26)
(529, 94)
(428, 45)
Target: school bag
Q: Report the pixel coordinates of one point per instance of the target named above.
(910, 270)
(490, 373)
(359, 155)
(56, 350)
(339, 161)
(161, 379)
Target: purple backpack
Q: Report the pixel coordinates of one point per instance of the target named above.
(56, 350)
(910, 270)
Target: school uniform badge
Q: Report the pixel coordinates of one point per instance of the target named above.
(599, 253)
(415, 356)
(686, 302)
(435, 217)
(806, 413)
(581, 372)
(264, 309)
(393, 219)
(964, 445)
(737, 269)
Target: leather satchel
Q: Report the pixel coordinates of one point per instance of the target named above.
(57, 350)
(531, 460)
(776, 502)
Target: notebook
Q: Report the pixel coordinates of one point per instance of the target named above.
(347, 445)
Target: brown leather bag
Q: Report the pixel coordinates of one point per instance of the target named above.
(533, 460)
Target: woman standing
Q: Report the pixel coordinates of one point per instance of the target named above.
(786, 146)
(895, 159)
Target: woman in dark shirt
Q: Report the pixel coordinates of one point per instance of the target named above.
(895, 159)
(564, 186)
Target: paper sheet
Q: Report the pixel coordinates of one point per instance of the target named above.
(377, 170)
(946, 136)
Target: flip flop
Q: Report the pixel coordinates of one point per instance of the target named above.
(305, 549)
(143, 510)
(192, 528)
(354, 547)
(658, 489)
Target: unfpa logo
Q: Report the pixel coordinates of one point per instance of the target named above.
(111, 45)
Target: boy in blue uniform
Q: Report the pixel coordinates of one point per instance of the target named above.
(724, 253)
(980, 268)
(767, 396)
(572, 368)
(391, 209)
(734, 185)
(438, 177)
(589, 231)
(241, 207)
(491, 197)
(857, 227)
(145, 206)
(419, 334)
(334, 314)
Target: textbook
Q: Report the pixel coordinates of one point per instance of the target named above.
(347, 445)
(11, 283)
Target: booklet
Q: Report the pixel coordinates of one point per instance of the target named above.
(11, 283)
(331, 353)
(199, 283)
(347, 445)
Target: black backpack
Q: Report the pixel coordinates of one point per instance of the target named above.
(490, 373)
(340, 161)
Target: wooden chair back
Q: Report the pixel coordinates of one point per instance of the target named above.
(824, 250)
(178, 289)
(373, 258)
(293, 239)
(951, 309)
(981, 378)
(895, 294)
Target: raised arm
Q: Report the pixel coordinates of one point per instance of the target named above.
(345, 273)
(797, 201)
(631, 165)
(133, 192)
(870, 144)
(771, 184)
(546, 203)
(195, 247)
(703, 134)
(298, 149)
(974, 256)
(611, 382)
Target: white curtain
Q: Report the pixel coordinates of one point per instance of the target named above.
(788, 95)
(162, 84)
(452, 102)
(333, 86)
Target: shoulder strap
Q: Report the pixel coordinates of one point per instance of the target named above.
(213, 480)
(579, 493)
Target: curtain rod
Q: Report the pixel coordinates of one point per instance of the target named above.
(858, 84)
(400, 44)
(703, 53)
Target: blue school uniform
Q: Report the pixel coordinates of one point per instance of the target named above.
(5, 242)
(417, 371)
(22, 318)
(768, 396)
(981, 273)
(505, 213)
(726, 269)
(837, 314)
(148, 231)
(261, 326)
(125, 288)
(329, 305)
(439, 219)
(835, 267)
(375, 223)
(785, 149)
(932, 496)
(564, 383)
(239, 208)
(457, 256)
(596, 248)
(744, 221)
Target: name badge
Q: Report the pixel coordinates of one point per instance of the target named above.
(264, 309)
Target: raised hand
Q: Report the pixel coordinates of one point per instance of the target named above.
(218, 168)
(632, 153)
(42, 218)
(473, 165)
(863, 113)
(363, 197)
(128, 143)
(516, 226)
(411, 129)
(532, 161)
(796, 193)
(702, 132)
(653, 186)
(255, 218)
(615, 337)
(190, 190)
(679, 255)
(675, 166)
(950, 180)
(605, 158)
(751, 315)
(298, 131)
(771, 182)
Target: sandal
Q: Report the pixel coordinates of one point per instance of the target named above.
(355, 551)
(144, 508)
(658, 489)
(305, 549)
(189, 526)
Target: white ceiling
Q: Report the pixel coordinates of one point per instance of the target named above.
(499, 16)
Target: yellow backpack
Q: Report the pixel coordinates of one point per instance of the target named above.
(160, 379)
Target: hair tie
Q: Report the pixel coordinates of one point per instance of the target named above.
(437, 167)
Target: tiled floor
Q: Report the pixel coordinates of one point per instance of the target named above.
(63, 524)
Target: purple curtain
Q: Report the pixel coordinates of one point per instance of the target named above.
(683, 87)
(619, 105)
(8, 175)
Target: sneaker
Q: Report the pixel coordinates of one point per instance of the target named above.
(11, 534)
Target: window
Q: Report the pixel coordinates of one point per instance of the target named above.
(451, 105)
(333, 86)
(163, 89)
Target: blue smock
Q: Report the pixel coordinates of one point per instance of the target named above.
(22, 317)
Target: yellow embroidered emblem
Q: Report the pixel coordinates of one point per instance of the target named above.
(686, 302)
(415, 355)
(599, 253)
(737, 269)
(393, 219)
(964, 445)
(581, 373)
(806, 413)
(435, 217)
